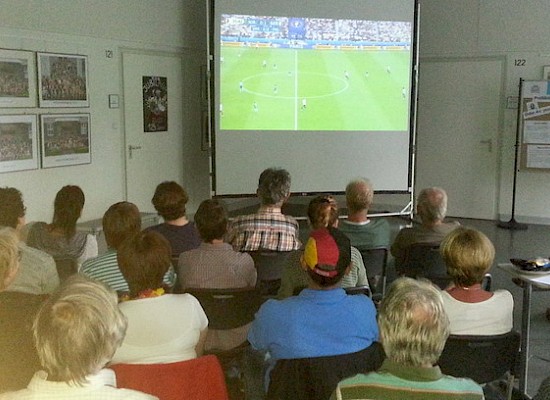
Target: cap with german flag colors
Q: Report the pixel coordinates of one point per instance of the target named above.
(327, 252)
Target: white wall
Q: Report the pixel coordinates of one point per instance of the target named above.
(510, 28)
(451, 28)
(90, 27)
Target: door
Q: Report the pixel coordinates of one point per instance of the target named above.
(457, 133)
(154, 152)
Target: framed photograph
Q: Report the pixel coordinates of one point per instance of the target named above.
(17, 79)
(62, 80)
(65, 140)
(546, 72)
(18, 143)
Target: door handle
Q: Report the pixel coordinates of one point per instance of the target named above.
(489, 143)
(131, 149)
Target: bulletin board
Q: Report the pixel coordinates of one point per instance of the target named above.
(534, 118)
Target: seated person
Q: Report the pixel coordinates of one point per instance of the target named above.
(60, 239)
(322, 212)
(76, 333)
(120, 221)
(215, 265)
(362, 231)
(37, 270)
(169, 200)
(413, 332)
(268, 229)
(322, 320)
(469, 255)
(431, 207)
(162, 327)
(18, 360)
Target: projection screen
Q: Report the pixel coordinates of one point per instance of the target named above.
(322, 88)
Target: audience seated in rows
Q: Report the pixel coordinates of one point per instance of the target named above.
(431, 208)
(169, 200)
(161, 327)
(18, 357)
(60, 239)
(413, 330)
(76, 333)
(322, 320)
(362, 231)
(269, 228)
(322, 212)
(472, 310)
(37, 272)
(215, 265)
(122, 220)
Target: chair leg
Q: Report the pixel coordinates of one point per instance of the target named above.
(509, 386)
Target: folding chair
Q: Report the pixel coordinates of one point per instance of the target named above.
(270, 265)
(481, 358)
(359, 290)
(425, 261)
(375, 260)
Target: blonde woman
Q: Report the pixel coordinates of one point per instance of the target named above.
(469, 254)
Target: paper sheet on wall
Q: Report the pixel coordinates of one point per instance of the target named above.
(536, 132)
(538, 156)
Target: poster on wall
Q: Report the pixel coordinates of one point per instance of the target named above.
(155, 104)
(62, 80)
(18, 143)
(65, 140)
(17, 79)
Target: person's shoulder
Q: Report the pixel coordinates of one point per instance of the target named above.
(466, 385)
(35, 255)
(503, 295)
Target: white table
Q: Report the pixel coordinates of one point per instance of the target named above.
(529, 281)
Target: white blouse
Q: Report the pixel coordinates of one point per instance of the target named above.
(161, 329)
(493, 316)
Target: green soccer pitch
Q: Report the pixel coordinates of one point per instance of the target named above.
(298, 89)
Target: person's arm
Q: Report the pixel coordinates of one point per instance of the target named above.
(90, 249)
(199, 348)
(358, 263)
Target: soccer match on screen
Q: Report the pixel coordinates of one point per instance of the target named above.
(314, 74)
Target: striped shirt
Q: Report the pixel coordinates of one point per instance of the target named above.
(397, 382)
(104, 268)
(269, 229)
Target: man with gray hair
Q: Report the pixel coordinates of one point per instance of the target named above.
(359, 228)
(268, 229)
(431, 207)
(413, 330)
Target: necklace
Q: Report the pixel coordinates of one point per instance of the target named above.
(144, 294)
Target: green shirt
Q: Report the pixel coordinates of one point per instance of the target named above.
(397, 382)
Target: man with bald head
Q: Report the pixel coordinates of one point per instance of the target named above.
(431, 207)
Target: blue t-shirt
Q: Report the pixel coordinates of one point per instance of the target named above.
(314, 324)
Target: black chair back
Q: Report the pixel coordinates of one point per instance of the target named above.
(375, 260)
(424, 261)
(228, 308)
(269, 265)
(359, 290)
(316, 378)
(481, 358)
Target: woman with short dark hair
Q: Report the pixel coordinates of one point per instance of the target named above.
(162, 327)
(170, 200)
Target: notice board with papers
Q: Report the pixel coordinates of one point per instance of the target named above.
(535, 124)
